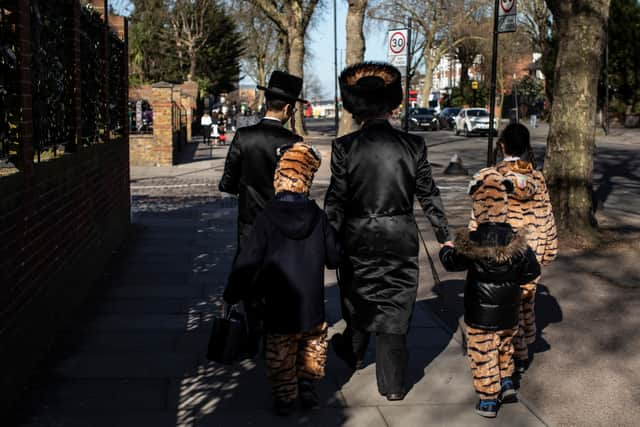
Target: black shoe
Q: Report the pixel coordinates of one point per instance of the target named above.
(508, 393)
(344, 352)
(521, 365)
(487, 408)
(395, 396)
(308, 396)
(283, 407)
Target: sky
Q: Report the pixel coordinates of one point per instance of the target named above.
(320, 45)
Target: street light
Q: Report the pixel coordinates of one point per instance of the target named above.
(335, 65)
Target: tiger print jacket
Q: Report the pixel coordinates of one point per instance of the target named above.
(530, 209)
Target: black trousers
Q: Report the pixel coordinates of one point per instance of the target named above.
(253, 308)
(391, 357)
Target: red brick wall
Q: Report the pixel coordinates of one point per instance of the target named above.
(60, 221)
(58, 229)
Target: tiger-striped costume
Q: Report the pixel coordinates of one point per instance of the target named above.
(498, 261)
(293, 357)
(296, 168)
(491, 356)
(529, 209)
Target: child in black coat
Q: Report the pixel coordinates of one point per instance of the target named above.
(498, 261)
(283, 263)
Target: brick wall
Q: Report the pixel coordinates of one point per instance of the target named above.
(169, 135)
(60, 220)
(58, 229)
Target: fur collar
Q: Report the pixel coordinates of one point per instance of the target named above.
(474, 244)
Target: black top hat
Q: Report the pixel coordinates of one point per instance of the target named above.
(284, 86)
(370, 88)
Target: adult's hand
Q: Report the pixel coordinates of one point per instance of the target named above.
(448, 243)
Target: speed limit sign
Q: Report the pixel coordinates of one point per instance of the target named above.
(397, 47)
(507, 15)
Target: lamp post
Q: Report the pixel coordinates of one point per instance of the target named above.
(335, 65)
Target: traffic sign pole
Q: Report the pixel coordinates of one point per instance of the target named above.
(492, 97)
(408, 78)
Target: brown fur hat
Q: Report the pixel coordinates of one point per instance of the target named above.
(490, 190)
(370, 88)
(296, 167)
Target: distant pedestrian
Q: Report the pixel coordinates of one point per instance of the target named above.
(205, 122)
(498, 260)
(377, 172)
(251, 163)
(530, 210)
(283, 261)
(533, 116)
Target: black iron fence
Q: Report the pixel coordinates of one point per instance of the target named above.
(77, 70)
(8, 64)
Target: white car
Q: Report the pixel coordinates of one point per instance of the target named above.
(474, 120)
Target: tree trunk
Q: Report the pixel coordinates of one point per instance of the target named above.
(193, 60)
(296, 68)
(355, 52)
(428, 78)
(571, 141)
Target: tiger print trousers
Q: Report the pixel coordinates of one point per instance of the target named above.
(293, 357)
(491, 357)
(527, 323)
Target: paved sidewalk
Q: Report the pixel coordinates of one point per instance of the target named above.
(135, 356)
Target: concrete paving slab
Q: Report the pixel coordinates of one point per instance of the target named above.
(155, 278)
(157, 291)
(145, 306)
(325, 417)
(444, 379)
(462, 415)
(105, 419)
(131, 365)
(120, 342)
(145, 322)
(101, 394)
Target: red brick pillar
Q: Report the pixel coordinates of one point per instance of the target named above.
(161, 101)
(187, 105)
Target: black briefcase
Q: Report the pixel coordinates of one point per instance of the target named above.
(228, 337)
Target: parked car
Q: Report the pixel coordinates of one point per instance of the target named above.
(422, 119)
(446, 117)
(474, 120)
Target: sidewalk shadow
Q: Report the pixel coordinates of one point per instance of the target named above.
(613, 165)
(547, 311)
(199, 151)
(449, 306)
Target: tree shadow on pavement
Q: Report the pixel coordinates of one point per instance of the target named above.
(611, 169)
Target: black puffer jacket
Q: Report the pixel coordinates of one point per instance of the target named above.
(498, 261)
(376, 175)
(250, 166)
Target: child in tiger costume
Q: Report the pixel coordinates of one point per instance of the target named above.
(529, 210)
(498, 261)
(283, 263)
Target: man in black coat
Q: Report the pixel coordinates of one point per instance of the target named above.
(251, 163)
(251, 160)
(377, 172)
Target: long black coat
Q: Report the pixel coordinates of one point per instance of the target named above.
(250, 166)
(283, 262)
(498, 263)
(377, 172)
